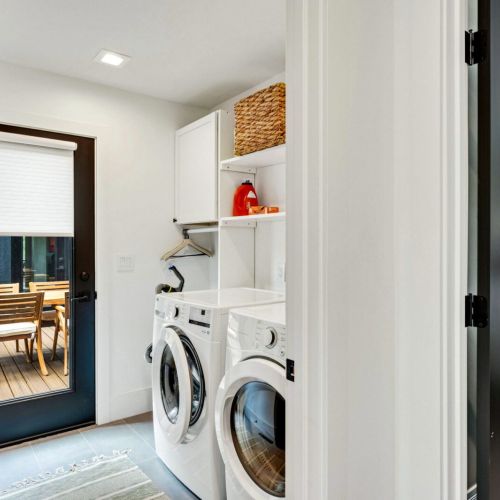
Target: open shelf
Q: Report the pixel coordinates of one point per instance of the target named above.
(249, 163)
(251, 220)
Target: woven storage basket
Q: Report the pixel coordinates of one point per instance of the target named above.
(260, 120)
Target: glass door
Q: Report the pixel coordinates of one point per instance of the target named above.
(47, 359)
(258, 433)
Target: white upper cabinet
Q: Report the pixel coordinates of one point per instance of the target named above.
(196, 171)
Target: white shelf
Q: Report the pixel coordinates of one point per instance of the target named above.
(251, 220)
(249, 163)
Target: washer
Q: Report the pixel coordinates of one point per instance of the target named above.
(188, 363)
(250, 405)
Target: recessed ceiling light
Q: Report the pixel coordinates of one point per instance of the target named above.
(112, 58)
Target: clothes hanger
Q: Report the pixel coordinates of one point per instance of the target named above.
(185, 243)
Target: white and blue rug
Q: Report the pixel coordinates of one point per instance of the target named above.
(115, 477)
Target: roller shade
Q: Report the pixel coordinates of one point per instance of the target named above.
(36, 186)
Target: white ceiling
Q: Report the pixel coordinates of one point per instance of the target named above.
(191, 51)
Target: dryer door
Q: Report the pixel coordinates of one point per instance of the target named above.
(250, 426)
(172, 388)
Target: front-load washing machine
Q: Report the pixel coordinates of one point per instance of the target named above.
(189, 337)
(250, 405)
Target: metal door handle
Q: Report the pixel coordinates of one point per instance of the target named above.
(84, 297)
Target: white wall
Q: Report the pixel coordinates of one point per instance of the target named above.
(135, 140)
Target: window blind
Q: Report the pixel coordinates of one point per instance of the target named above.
(36, 186)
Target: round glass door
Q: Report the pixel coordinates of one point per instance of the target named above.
(258, 433)
(197, 380)
(169, 385)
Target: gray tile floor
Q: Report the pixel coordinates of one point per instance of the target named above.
(47, 454)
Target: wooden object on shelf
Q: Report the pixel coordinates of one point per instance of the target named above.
(263, 209)
(260, 120)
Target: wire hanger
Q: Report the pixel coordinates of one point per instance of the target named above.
(185, 243)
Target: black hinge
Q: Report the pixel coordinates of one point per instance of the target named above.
(475, 47)
(290, 370)
(476, 311)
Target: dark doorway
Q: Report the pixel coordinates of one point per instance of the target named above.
(34, 401)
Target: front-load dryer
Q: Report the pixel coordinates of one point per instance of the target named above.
(189, 337)
(250, 405)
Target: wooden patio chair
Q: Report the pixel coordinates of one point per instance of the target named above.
(10, 288)
(62, 325)
(21, 319)
(48, 314)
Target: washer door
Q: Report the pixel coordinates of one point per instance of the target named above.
(250, 426)
(172, 385)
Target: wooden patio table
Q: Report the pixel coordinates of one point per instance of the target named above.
(54, 297)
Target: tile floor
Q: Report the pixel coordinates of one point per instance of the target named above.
(47, 454)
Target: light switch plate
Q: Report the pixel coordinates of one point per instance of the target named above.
(125, 263)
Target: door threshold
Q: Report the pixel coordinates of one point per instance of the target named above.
(47, 434)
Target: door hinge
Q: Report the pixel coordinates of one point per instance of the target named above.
(475, 47)
(476, 311)
(290, 370)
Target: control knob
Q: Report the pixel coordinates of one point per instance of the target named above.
(269, 337)
(174, 312)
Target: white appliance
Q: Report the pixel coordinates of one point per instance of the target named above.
(250, 405)
(189, 336)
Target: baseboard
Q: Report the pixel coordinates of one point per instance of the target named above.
(130, 404)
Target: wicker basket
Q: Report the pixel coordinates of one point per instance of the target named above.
(260, 120)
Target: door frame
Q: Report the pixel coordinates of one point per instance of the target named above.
(81, 391)
(433, 377)
(103, 261)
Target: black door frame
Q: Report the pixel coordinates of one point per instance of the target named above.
(43, 414)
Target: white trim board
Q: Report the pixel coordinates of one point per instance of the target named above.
(376, 229)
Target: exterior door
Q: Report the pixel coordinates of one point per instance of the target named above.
(37, 400)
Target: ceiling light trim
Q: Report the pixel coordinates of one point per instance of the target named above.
(112, 58)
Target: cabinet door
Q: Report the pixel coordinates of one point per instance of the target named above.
(196, 169)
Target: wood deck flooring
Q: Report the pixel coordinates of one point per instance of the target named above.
(18, 378)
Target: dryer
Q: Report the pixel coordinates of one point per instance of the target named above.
(189, 337)
(250, 404)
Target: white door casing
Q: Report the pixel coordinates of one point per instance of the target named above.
(376, 234)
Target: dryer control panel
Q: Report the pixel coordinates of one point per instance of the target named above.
(270, 339)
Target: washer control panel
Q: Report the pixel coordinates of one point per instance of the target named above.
(198, 319)
(271, 339)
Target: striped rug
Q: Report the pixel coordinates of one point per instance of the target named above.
(114, 477)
